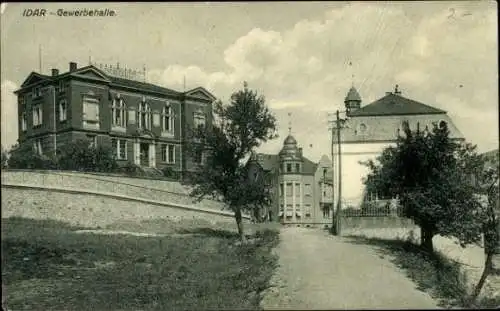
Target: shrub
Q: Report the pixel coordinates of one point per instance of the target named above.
(105, 160)
(168, 172)
(132, 169)
(81, 156)
(24, 157)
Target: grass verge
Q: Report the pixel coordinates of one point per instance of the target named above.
(442, 278)
(47, 266)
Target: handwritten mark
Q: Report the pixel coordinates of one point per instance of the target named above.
(453, 11)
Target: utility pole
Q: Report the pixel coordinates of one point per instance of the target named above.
(339, 198)
(334, 225)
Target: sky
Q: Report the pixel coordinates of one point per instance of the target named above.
(302, 56)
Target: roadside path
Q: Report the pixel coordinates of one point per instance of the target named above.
(319, 271)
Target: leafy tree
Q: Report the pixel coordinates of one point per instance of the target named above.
(430, 173)
(236, 130)
(486, 178)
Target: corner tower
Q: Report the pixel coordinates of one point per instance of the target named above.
(352, 101)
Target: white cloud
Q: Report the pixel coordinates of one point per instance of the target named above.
(449, 63)
(9, 114)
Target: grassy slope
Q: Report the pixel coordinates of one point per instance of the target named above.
(46, 266)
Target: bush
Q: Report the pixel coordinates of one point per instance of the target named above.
(24, 157)
(104, 159)
(81, 156)
(132, 169)
(168, 172)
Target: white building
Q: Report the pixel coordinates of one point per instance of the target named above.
(372, 128)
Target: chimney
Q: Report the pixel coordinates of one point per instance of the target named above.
(396, 90)
(55, 72)
(72, 66)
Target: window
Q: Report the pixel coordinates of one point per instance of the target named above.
(362, 128)
(37, 145)
(63, 110)
(24, 122)
(288, 167)
(144, 116)
(289, 189)
(22, 100)
(90, 112)
(442, 124)
(297, 190)
(120, 148)
(167, 118)
(168, 153)
(199, 120)
(37, 91)
(281, 189)
(326, 211)
(37, 115)
(119, 113)
(62, 86)
(297, 167)
(308, 210)
(198, 158)
(307, 190)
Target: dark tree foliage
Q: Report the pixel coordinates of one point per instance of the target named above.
(79, 155)
(431, 175)
(82, 155)
(24, 157)
(237, 128)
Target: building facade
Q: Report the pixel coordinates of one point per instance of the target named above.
(302, 189)
(145, 124)
(372, 128)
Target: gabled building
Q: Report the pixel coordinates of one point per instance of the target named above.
(301, 188)
(144, 123)
(374, 127)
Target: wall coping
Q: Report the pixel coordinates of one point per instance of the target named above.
(119, 197)
(94, 176)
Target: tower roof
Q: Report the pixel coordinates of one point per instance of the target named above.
(290, 140)
(352, 95)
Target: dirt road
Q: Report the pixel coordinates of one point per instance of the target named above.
(319, 271)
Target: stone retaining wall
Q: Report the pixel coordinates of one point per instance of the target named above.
(90, 210)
